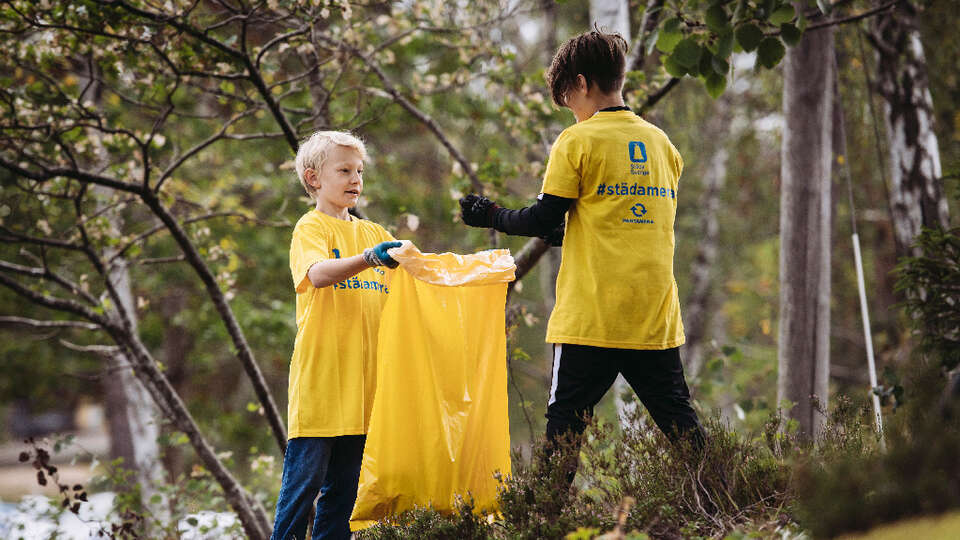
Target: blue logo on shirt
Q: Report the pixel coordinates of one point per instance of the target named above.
(638, 152)
(639, 211)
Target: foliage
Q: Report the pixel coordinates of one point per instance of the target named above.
(930, 283)
(202, 104)
(699, 40)
(732, 484)
(855, 487)
(465, 524)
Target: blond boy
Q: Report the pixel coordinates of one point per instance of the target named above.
(337, 265)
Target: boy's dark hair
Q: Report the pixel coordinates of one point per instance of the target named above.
(598, 56)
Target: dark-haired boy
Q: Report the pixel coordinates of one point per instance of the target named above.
(617, 311)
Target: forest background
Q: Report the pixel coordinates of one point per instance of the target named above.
(148, 195)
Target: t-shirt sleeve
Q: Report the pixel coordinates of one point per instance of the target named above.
(385, 235)
(677, 161)
(309, 246)
(562, 178)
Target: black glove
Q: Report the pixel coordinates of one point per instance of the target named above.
(477, 210)
(555, 238)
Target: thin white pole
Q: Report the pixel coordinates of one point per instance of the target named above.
(868, 338)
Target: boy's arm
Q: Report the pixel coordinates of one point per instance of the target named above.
(330, 271)
(540, 219)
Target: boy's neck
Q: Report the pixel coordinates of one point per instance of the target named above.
(607, 101)
(598, 102)
(334, 212)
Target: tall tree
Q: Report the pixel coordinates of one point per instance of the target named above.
(803, 352)
(132, 415)
(699, 300)
(916, 190)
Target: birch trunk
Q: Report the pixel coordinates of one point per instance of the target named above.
(699, 302)
(803, 352)
(133, 417)
(916, 190)
(143, 395)
(611, 16)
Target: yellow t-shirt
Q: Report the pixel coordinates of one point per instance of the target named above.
(616, 286)
(333, 369)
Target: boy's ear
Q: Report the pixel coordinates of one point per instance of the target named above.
(582, 82)
(310, 176)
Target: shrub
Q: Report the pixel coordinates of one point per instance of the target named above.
(851, 487)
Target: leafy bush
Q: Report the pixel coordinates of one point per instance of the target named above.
(855, 487)
(428, 523)
(682, 491)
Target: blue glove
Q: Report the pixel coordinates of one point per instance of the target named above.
(378, 256)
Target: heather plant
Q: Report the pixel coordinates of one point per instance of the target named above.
(852, 485)
(733, 483)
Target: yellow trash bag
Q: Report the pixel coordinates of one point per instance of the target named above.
(439, 425)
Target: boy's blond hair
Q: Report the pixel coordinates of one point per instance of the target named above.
(314, 150)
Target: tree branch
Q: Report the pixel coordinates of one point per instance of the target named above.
(653, 98)
(651, 16)
(46, 273)
(83, 176)
(235, 53)
(423, 117)
(53, 302)
(853, 18)
(143, 236)
(9, 321)
(244, 352)
(100, 350)
(528, 256)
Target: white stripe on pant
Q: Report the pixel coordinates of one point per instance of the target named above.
(557, 349)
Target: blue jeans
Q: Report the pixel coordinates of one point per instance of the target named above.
(326, 465)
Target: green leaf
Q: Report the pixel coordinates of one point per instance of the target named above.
(770, 52)
(705, 65)
(724, 45)
(717, 19)
(192, 521)
(767, 8)
(687, 53)
(669, 36)
(673, 68)
(716, 84)
(749, 36)
(672, 25)
(791, 34)
(783, 15)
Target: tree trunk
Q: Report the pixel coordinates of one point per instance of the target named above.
(698, 303)
(803, 352)
(611, 16)
(916, 190)
(133, 418)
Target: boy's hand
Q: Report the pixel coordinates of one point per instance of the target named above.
(477, 210)
(555, 238)
(378, 256)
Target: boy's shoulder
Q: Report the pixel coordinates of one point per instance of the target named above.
(310, 220)
(316, 222)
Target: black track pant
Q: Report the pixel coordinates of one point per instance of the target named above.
(583, 374)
